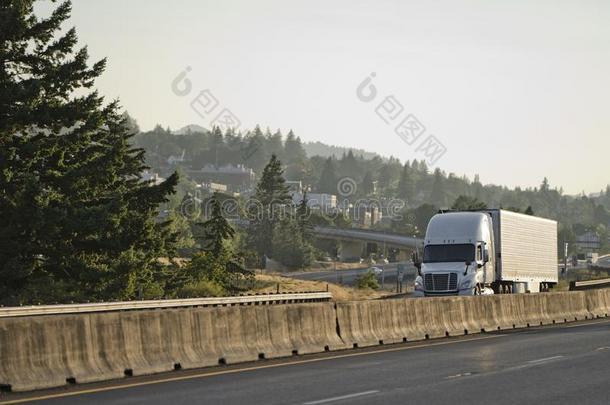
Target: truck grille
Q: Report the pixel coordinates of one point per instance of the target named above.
(440, 281)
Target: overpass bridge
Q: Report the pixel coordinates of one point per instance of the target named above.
(353, 242)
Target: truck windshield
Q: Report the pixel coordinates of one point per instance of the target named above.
(449, 253)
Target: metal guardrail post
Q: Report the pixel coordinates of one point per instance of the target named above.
(589, 284)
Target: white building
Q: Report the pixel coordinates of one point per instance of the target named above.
(214, 187)
(152, 176)
(323, 202)
(172, 160)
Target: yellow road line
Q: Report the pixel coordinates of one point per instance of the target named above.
(239, 370)
(586, 324)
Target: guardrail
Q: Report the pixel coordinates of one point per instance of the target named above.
(267, 299)
(590, 284)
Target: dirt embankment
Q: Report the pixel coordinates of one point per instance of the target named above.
(340, 293)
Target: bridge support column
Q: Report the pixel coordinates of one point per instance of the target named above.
(350, 250)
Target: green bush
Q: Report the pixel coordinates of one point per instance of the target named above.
(290, 248)
(202, 288)
(367, 280)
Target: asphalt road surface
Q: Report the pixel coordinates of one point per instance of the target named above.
(564, 364)
(348, 277)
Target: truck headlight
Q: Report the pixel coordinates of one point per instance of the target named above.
(419, 283)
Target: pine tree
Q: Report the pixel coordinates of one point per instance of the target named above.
(76, 221)
(303, 214)
(406, 184)
(477, 187)
(254, 154)
(290, 248)
(267, 207)
(216, 145)
(368, 186)
(275, 144)
(217, 228)
(386, 174)
(544, 187)
(437, 195)
(328, 178)
(294, 153)
(463, 203)
(349, 166)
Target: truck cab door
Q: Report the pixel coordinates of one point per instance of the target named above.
(483, 257)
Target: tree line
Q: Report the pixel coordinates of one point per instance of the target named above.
(413, 181)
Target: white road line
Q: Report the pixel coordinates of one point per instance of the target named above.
(458, 375)
(342, 397)
(544, 360)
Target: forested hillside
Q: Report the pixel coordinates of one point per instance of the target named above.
(374, 176)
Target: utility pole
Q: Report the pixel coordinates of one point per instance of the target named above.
(397, 279)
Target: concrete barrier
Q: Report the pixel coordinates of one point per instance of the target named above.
(598, 302)
(53, 350)
(49, 351)
(367, 323)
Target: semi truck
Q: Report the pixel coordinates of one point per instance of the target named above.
(492, 251)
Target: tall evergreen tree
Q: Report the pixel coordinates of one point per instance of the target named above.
(267, 207)
(386, 176)
(294, 152)
(76, 221)
(254, 154)
(328, 178)
(437, 194)
(477, 187)
(544, 186)
(368, 186)
(303, 214)
(275, 144)
(216, 145)
(217, 229)
(349, 166)
(406, 184)
(463, 203)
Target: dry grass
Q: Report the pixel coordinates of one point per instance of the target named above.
(340, 293)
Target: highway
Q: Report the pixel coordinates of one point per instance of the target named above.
(604, 261)
(348, 277)
(552, 365)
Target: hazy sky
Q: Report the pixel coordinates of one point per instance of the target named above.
(515, 90)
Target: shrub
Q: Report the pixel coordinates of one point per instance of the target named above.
(202, 288)
(367, 280)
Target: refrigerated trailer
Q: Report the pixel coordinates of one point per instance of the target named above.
(487, 251)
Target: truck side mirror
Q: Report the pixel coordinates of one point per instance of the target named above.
(486, 255)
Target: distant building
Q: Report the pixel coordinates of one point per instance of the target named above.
(214, 187)
(172, 160)
(235, 177)
(324, 202)
(365, 214)
(588, 241)
(152, 176)
(294, 186)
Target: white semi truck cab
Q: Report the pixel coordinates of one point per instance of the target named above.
(486, 252)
